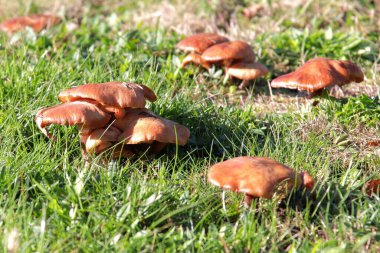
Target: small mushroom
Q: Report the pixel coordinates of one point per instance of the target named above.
(141, 126)
(246, 71)
(196, 44)
(85, 115)
(228, 53)
(36, 21)
(320, 73)
(102, 138)
(257, 177)
(112, 97)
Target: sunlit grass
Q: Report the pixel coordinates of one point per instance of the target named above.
(49, 201)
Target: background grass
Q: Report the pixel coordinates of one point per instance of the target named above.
(49, 202)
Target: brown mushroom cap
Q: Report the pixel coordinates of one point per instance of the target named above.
(247, 70)
(320, 73)
(36, 21)
(372, 187)
(143, 126)
(111, 94)
(255, 176)
(83, 114)
(229, 52)
(101, 139)
(200, 42)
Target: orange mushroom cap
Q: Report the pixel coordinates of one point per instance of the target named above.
(255, 176)
(229, 52)
(101, 139)
(143, 126)
(111, 94)
(320, 73)
(200, 42)
(36, 21)
(83, 114)
(247, 70)
(196, 59)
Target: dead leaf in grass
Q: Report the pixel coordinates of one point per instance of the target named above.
(372, 187)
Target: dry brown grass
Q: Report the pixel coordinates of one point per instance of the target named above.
(345, 145)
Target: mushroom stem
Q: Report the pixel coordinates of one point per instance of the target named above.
(336, 91)
(243, 84)
(224, 200)
(310, 95)
(247, 200)
(157, 147)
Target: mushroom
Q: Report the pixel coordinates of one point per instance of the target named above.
(320, 73)
(85, 115)
(246, 71)
(256, 177)
(372, 187)
(36, 21)
(141, 126)
(102, 138)
(112, 97)
(228, 53)
(196, 44)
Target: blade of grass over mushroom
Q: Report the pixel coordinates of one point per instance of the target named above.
(50, 203)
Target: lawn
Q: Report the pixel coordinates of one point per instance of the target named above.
(51, 202)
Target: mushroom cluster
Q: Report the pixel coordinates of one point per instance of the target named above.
(257, 177)
(113, 115)
(237, 57)
(36, 21)
(239, 61)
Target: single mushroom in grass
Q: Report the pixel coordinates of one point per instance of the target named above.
(36, 21)
(113, 97)
(141, 128)
(319, 73)
(257, 177)
(85, 115)
(227, 53)
(196, 45)
(246, 71)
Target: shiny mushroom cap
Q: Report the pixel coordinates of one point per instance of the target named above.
(111, 94)
(255, 176)
(320, 73)
(247, 70)
(101, 139)
(200, 42)
(83, 114)
(229, 52)
(36, 21)
(143, 126)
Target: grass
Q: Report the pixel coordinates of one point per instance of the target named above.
(50, 203)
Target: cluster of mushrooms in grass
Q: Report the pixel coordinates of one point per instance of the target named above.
(239, 61)
(112, 116)
(237, 57)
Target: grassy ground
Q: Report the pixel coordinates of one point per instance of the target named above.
(50, 203)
